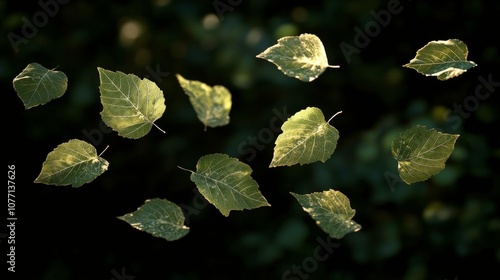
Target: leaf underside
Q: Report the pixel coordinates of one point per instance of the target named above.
(331, 210)
(212, 104)
(442, 59)
(302, 57)
(226, 183)
(160, 218)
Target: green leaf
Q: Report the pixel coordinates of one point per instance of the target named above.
(306, 138)
(130, 105)
(226, 183)
(212, 104)
(421, 153)
(160, 218)
(443, 59)
(302, 57)
(37, 85)
(72, 163)
(331, 210)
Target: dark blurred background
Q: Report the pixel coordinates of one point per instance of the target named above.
(447, 227)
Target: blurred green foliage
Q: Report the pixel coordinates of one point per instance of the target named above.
(446, 227)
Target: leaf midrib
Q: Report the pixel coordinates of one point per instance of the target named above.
(431, 149)
(309, 61)
(170, 222)
(72, 166)
(312, 133)
(442, 63)
(128, 99)
(228, 186)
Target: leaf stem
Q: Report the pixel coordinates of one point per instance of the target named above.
(334, 116)
(333, 66)
(104, 150)
(182, 168)
(159, 128)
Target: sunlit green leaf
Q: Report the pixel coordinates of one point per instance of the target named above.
(226, 183)
(443, 59)
(306, 138)
(37, 85)
(212, 104)
(331, 210)
(421, 152)
(130, 105)
(302, 57)
(72, 163)
(160, 218)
